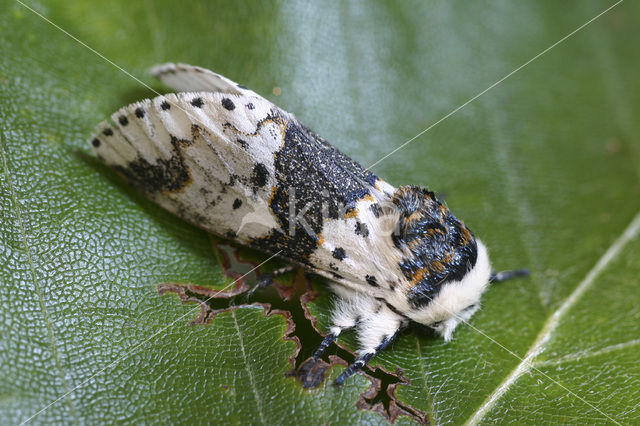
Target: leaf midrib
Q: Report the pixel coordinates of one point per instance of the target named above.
(248, 369)
(526, 363)
(43, 308)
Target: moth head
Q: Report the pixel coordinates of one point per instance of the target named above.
(446, 268)
(458, 300)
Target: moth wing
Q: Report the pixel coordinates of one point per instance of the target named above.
(196, 155)
(189, 78)
(231, 162)
(331, 213)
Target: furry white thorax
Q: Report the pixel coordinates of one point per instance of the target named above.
(457, 301)
(375, 321)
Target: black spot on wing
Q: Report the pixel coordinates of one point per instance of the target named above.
(108, 131)
(123, 120)
(237, 203)
(139, 112)
(362, 229)
(95, 142)
(228, 104)
(371, 280)
(259, 175)
(338, 253)
(170, 174)
(197, 102)
(376, 210)
(165, 105)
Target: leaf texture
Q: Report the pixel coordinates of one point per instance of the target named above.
(544, 167)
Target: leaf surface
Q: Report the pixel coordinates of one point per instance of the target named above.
(544, 167)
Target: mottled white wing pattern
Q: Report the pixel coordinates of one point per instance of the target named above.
(177, 150)
(189, 78)
(208, 156)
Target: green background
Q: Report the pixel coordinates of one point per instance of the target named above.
(544, 168)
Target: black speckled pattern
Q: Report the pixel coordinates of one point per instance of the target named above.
(442, 248)
(318, 174)
(167, 175)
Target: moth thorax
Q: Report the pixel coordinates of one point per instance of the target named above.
(437, 247)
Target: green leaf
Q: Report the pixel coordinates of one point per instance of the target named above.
(544, 167)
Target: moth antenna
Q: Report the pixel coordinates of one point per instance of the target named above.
(497, 277)
(363, 359)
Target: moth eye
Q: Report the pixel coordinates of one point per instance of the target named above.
(435, 324)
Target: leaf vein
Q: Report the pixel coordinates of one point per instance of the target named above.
(552, 323)
(36, 284)
(576, 356)
(423, 372)
(247, 365)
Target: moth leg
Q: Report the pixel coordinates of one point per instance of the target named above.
(326, 342)
(377, 323)
(364, 358)
(346, 314)
(379, 327)
(265, 280)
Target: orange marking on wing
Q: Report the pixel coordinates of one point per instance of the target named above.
(418, 275)
(413, 244)
(433, 231)
(466, 235)
(273, 194)
(436, 266)
(350, 213)
(417, 215)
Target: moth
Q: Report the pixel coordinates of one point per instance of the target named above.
(228, 160)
